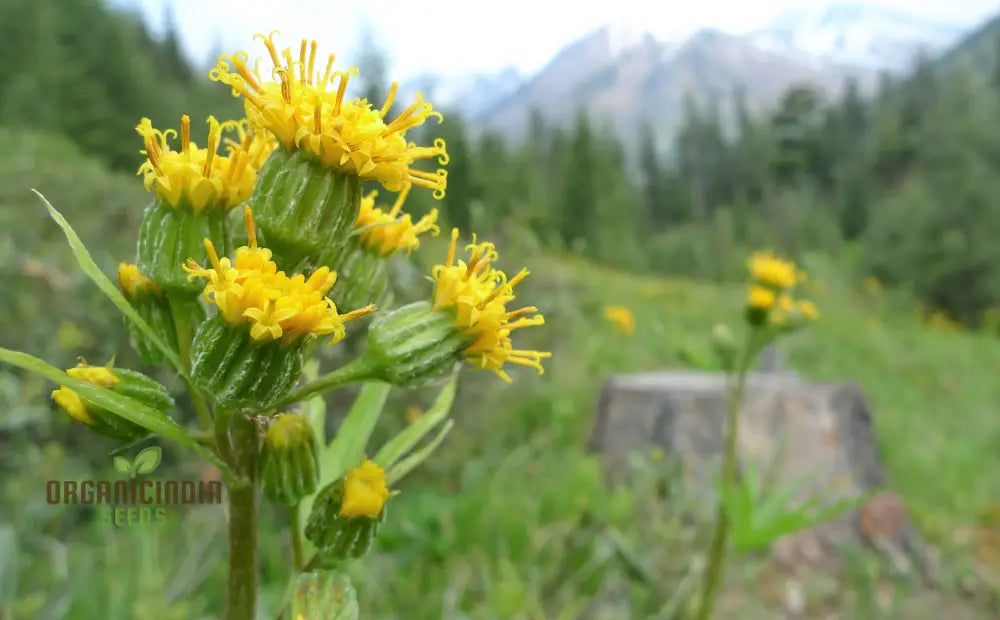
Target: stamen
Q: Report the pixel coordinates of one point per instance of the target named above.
(213, 257)
(251, 231)
(312, 61)
(389, 99)
(185, 133)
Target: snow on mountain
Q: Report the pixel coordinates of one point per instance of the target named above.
(857, 35)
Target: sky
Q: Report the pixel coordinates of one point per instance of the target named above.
(453, 37)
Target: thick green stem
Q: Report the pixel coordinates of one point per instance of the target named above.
(359, 369)
(182, 327)
(715, 571)
(244, 509)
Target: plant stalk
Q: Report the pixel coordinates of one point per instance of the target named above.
(293, 522)
(715, 570)
(185, 333)
(358, 369)
(244, 510)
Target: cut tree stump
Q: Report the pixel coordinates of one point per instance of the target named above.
(789, 427)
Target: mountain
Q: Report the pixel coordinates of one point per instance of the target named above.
(856, 35)
(646, 78)
(623, 74)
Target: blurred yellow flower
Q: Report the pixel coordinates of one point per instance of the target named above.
(304, 107)
(621, 317)
(761, 298)
(773, 272)
(250, 290)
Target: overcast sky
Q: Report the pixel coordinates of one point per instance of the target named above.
(456, 36)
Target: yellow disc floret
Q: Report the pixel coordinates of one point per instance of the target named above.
(304, 107)
(365, 491)
(388, 232)
(134, 283)
(201, 177)
(478, 295)
(249, 290)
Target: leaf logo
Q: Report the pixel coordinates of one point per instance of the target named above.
(145, 462)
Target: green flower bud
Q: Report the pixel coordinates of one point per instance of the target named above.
(291, 459)
(169, 235)
(303, 208)
(324, 595)
(348, 513)
(414, 345)
(128, 383)
(149, 301)
(362, 276)
(239, 372)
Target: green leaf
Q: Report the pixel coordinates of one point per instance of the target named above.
(148, 460)
(402, 443)
(407, 465)
(132, 410)
(90, 268)
(123, 465)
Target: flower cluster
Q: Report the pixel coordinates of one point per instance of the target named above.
(305, 109)
(388, 232)
(478, 294)
(250, 290)
(770, 298)
(201, 177)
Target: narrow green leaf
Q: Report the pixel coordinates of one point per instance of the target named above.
(407, 464)
(90, 268)
(132, 410)
(348, 447)
(398, 446)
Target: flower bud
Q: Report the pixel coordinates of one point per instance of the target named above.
(362, 277)
(302, 207)
(291, 459)
(414, 345)
(347, 513)
(128, 383)
(169, 235)
(324, 595)
(239, 372)
(724, 344)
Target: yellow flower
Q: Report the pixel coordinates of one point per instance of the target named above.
(761, 298)
(133, 282)
(808, 310)
(773, 272)
(200, 177)
(71, 403)
(365, 491)
(478, 296)
(288, 430)
(387, 232)
(621, 317)
(305, 109)
(251, 291)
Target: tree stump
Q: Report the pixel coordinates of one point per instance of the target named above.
(789, 427)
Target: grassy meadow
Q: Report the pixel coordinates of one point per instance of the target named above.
(511, 517)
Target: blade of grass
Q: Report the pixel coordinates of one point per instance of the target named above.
(90, 268)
